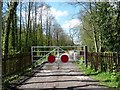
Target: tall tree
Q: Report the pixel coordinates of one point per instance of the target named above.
(28, 29)
(24, 30)
(10, 16)
(41, 25)
(104, 21)
(94, 29)
(0, 30)
(20, 26)
(87, 10)
(0, 44)
(47, 25)
(14, 40)
(35, 24)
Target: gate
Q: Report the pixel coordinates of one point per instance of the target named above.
(40, 54)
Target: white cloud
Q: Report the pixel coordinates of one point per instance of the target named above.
(71, 24)
(24, 13)
(54, 12)
(57, 13)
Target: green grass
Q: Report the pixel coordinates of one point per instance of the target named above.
(105, 78)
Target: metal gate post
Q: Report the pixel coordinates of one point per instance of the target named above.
(58, 56)
(86, 56)
(58, 51)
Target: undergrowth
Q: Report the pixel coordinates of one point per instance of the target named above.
(109, 79)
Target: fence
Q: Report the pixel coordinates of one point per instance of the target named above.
(40, 53)
(14, 65)
(103, 61)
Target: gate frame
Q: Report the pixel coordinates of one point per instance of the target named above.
(56, 50)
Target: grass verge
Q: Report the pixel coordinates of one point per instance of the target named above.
(108, 79)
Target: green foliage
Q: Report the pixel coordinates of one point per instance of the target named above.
(21, 32)
(86, 32)
(118, 79)
(104, 18)
(105, 78)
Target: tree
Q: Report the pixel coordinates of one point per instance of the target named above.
(20, 34)
(41, 24)
(30, 24)
(86, 33)
(0, 30)
(14, 30)
(35, 33)
(0, 43)
(103, 19)
(87, 11)
(12, 7)
(104, 15)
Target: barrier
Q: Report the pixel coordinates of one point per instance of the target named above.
(51, 58)
(64, 58)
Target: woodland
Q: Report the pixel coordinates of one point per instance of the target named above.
(26, 24)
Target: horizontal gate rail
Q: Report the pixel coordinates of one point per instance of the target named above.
(40, 53)
(56, 46)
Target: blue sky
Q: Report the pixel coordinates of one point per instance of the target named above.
(65, 14)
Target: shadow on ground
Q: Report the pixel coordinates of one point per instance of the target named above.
(84, 87)
(59, 80)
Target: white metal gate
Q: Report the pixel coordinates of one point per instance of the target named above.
(40, 53)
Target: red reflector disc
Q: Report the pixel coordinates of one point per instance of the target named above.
(51, 58)
(64, 58)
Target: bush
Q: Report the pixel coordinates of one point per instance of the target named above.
(118, 79)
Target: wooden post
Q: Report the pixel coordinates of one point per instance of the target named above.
(85, 56)
(31, 54)
(32, 60)
(118, 62)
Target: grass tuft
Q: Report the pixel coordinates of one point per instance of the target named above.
(109, 79)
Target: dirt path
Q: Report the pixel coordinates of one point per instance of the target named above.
(66, 77)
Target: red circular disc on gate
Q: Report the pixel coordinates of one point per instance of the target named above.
(51, 58)
(64, 58)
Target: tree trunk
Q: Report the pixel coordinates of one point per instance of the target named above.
(20, 26)
(49, 35)
(28, 27)
(13, 35)
(95, 39)
(0, 42)
(13, 6)
(100, 42)
(16, 31)
(35, 24)
(94, 32)
(47, 29)
(41, 28)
